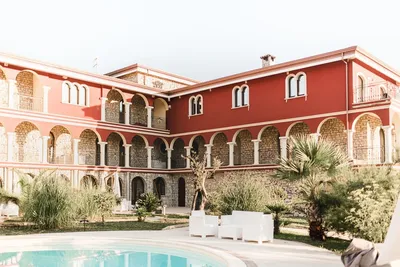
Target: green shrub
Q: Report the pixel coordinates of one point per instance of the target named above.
(240, 192)
(277, 205)
(105, 202)
(48, 202)
(142, 213)
(86, 207)
(149, 202)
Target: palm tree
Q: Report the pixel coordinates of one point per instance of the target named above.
(314, 163)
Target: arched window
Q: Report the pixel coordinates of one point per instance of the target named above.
(82, 96)
(292, 87)
(237, 97)
(193, 106)
(245, 96)
(301, 85)
(199, 105)
(360, 89)
(159, 187)
(73, 95)
(66, 88)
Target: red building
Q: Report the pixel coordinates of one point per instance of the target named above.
(135, 123)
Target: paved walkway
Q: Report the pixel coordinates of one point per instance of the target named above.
(277, 254)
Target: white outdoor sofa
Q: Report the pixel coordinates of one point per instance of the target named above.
(248, 226)
(9, 209)
(202, 225)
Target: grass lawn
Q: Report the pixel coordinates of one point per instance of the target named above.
(336, 245)
(19, 229)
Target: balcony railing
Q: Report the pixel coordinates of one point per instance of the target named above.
(159, 123)
(25, 102)
(369, 155)
(376, 92)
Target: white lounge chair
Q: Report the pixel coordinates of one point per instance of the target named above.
(260, 232)
(203, 226)
(10, 209)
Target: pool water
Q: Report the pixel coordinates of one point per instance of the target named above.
(102, 258)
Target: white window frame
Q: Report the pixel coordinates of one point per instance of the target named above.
(296, 79)
(195, 98)
(66, 93)
(358, 89)
(239, 99)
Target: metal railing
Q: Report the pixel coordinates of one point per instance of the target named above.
(25, 102)
(376, 92)
(159, 123)
(369, 155)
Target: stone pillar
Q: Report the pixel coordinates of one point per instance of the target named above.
(283, 145)
(350, 145)
(46, 90)
(149, 116)
(127, 112)
(10, 146)
(45, 149)
(169, 154)
(103, 108)
(12, 85)
(76, 151)
(315, 136)
(188, 148)
(208, 147)
(127, 155)
(256, 143)
(231, 153)
(75, 178)
(102, 153)
(149, 148)
(388, 144)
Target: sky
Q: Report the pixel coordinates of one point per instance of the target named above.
(201, 40)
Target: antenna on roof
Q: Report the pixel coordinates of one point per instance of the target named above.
(95, 64)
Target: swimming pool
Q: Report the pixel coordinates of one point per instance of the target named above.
(111, 252)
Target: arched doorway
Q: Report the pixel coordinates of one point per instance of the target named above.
(181, 192)
(137, 189)
(159, 187)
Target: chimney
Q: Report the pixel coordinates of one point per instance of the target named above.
(267, 60)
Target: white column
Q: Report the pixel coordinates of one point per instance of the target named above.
(208, 147)
(10, 146)
(46, 90)
(231, 153)
(127, 112)
(169, 154)
(350, 134)
(283, 145)
(12, 84)
(76, 151)
(103, 108)
(256, 143)
(188, 148)
(315, 136)
(127, 155)
(149, 116)
(388, 144)
(149, 148)
(75, 179)
(102, 153)
(45, 140)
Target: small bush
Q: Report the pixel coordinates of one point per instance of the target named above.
(141, 213)
(105, 202)
(149, 202)
(277, 205)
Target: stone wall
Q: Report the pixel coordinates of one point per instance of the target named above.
(158, 155)
(25, 90)
(243, 153)
(87, 147)
(114, 150)
(157, 82)
(138, 111)
(28, 143)
(113, 106)
(3, 143)
(299, 129)
(198, 147)
(3, 90)
(269, 146)
(220, 149)
(138, 153)
(364, 142)
(176, 156)
(62, 151)
(130, 77)
(334, 130)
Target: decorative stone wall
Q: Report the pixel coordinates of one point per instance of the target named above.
(3, 90)
(61, 152)
(269, 146)
(113, 106)
(157, 82)
(130, 77)
(364, 141)
(220, 149)
(334, 130)
(3, 143)
(198, 147)
(299, 129)
(138, 112)
(138, 153)
(243, 152)
(176, 156)
(114, 150)
(28, 143)
(25, 90)
(87, 147)
(159, 155)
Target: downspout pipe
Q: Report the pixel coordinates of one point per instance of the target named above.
(347, 91)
